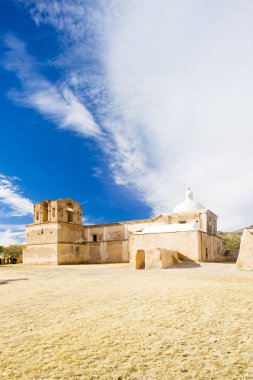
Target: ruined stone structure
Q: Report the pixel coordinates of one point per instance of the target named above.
(58, 236)
(245, 258)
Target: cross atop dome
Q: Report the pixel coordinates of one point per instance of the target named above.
(189, 194)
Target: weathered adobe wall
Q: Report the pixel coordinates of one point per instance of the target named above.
(43, 244)
(245, 258)
(209, 223)
(55, 254)
(93, 253)
(70, 233)
(110, 245)
(211, 248)
(117, 231)
(42, 233)
(108, 252)
(40, 254)
(158, 258)
(72, 254)
(45, 233)
(186, 243)
(106, 243)
(74, 244)
(104, 233)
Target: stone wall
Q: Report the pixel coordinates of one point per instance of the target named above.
(108, 252)
(40, 254)
(211, 248)
(191, 245)
(231, 254)
(245, 258)
(72, 254)
(186, 243)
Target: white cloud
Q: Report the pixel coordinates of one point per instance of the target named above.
(179, 86)
(11, 198)
(183, 83)
(12, 234)
(55, 101)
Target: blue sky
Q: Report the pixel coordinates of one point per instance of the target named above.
(38, 160)
(123, 105)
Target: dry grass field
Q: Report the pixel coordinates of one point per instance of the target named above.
(110, 322)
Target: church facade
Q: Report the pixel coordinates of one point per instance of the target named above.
(57, 236)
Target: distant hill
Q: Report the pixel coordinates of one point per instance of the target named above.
(241, 230)
(232, 240)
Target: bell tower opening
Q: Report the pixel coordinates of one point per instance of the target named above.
(70, 216)
(69, 212)
(45, 212)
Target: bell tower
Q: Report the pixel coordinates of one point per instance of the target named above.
(57, 235)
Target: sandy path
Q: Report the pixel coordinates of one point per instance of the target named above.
(110, 322)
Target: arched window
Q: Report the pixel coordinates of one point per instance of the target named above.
(45, 212)
(70, 216)
(53, 212)
(69, 212)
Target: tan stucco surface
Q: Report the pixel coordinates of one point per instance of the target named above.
(211, 248)
(186, 243)
(160, 258)
(58, 236)
(40, 254)
(245, 258)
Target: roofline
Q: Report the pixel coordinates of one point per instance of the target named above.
(128, 221)
(56, 200)
(194, 211)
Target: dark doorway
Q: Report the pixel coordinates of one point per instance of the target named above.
(140, 259)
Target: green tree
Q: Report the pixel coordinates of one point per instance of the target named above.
(230, 240)
(13, 251)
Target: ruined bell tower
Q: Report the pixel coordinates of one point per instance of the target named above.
(56, 236)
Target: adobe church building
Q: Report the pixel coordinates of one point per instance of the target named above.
(58, 237)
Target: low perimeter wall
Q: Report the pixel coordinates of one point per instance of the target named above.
(115, 251)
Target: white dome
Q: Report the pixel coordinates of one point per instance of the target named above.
(189, 204)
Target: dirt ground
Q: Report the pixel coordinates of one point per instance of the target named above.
(111, 322)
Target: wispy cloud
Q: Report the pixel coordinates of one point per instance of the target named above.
(11, 234)
(55, 101)
(174, 94)
(12, 201)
